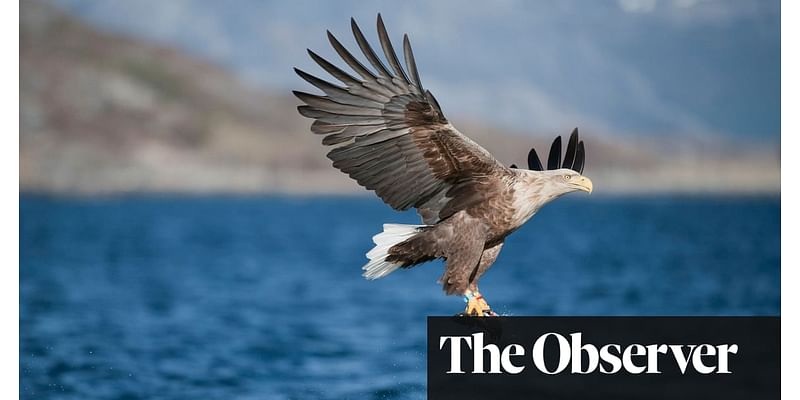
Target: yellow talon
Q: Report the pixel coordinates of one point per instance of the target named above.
(474, 307)
(477, 306)
(483, 304)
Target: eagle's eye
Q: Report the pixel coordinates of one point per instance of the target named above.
(567, 177)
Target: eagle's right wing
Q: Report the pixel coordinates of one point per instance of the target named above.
(390, 135)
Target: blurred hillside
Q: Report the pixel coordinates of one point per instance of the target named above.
(102, 113)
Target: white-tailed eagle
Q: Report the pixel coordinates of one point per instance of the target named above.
(390, 135)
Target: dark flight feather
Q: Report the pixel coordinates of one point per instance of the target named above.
(411, 63)
(337, 73)
(350, 60)
(554, 159)
(388, 50)
(572, 145)
(340, 94)
(368, 52)
(533, 161)
(580, 158)
(325, 103)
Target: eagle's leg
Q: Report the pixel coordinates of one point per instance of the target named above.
(477, 305)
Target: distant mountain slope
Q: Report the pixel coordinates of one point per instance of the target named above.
(105, 114)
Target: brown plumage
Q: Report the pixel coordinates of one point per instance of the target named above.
(391, 136)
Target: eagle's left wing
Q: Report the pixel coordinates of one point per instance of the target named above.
(390, 135)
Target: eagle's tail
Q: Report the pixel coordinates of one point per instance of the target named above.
(392, 234)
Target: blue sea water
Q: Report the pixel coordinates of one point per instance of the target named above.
(262, 298)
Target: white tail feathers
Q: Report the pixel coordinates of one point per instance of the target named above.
(392, 234)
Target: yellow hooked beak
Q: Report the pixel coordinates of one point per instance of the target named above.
(584, 184)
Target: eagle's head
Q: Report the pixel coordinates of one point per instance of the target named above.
(536, 188)
(563, 180)
(560, 177)
(533, 189)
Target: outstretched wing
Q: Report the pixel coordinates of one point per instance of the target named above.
(390, 135)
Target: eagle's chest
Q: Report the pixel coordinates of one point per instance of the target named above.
(525, 202)
(505, 213)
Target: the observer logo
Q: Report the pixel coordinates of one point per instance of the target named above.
(573, 356)
(588, 358)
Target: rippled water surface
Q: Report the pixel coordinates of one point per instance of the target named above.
(261, 298)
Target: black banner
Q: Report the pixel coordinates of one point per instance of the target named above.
(603, 357)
